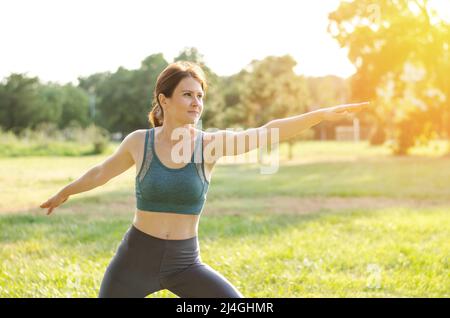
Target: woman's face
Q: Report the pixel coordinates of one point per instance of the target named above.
(186, 104)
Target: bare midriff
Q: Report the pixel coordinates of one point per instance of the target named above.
(166, 225)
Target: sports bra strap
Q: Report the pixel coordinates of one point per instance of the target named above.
(148, 155)
(198, 157)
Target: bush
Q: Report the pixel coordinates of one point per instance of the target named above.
(7, 137)
(46, 139)
(99, 137)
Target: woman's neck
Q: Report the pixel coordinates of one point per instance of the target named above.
(165, 133)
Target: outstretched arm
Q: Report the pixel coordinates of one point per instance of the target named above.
(292, 126)
(98, 175)
(229, 143)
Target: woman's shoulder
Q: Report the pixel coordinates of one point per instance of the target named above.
(137, 134)
(136, 137)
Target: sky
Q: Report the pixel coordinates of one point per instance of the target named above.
(59, 41)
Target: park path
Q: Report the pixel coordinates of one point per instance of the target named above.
(272, 204)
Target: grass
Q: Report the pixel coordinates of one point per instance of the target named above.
(395, 251)
(319, 255)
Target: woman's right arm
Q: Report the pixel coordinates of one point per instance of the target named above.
(120, 161)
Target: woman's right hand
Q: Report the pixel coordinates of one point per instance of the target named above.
(343, 111)
(54, 202)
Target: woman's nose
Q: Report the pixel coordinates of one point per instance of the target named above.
(197, 101)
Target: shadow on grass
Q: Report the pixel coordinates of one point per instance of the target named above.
(103, 234)
(410, 177)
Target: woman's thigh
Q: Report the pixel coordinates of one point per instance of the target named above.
(200, 281)
(117, 287)
(124, 276)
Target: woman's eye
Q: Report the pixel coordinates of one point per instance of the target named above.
(189, 94)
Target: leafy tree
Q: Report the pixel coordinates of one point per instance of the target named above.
(22, 103)
(50, 101)
(145, 78)
(271, 90)
(123, 98)
(388, 42)
(75, 106)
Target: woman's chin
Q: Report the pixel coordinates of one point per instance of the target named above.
(193, 120)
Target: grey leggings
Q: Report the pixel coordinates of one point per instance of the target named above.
(144, 264)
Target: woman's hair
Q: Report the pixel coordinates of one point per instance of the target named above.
(166, 83)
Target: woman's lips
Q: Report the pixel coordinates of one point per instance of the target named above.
(196, 113)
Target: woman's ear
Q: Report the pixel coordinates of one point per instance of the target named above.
(162, 99)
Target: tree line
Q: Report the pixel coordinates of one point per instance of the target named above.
(120, 101)
(401, 51)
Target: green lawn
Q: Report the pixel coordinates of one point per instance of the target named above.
(289, 234)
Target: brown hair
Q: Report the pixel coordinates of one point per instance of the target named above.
(166, 83)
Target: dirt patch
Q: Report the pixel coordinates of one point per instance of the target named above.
(289, 205)
(276, 204)
(125, 206)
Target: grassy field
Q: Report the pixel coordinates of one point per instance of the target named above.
(339, 220)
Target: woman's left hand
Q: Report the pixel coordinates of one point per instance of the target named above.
(343, 111)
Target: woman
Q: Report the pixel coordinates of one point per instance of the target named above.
(160, 249)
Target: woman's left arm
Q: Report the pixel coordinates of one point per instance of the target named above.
(291, 126)
(229, 143)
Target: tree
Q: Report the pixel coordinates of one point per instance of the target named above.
(145, 79)
(270, 90)
(25, 103)
(123, 98)
(118, 102)
(75, 106)
(386, 40)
